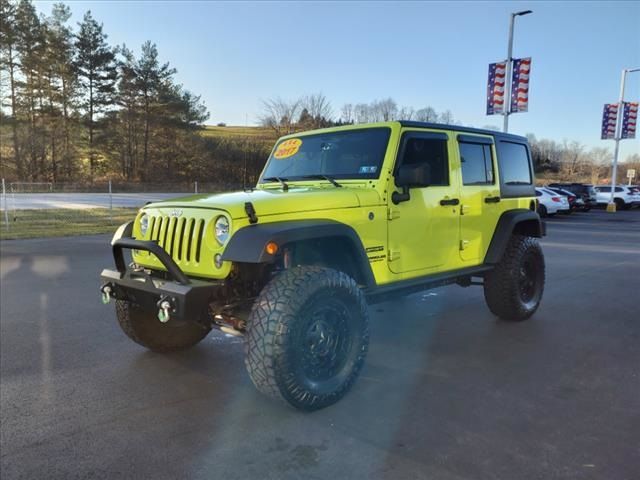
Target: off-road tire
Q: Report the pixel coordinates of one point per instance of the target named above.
(514, 288)
(287, 336)
(144, 328)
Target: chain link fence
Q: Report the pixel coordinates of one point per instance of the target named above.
(37, 209)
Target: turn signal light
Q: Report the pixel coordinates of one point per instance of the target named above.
(271, 248)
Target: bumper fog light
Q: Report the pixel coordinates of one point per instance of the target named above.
(217, 260)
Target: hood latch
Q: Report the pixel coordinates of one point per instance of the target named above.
(251, 212)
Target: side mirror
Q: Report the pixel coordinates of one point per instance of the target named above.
(409, 176)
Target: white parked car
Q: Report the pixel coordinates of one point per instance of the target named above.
(624, 197)
(550, 203)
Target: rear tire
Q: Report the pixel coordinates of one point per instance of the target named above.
(308, 336)
(542, 210)
(144, 328)
(513, 289)
(620, 205)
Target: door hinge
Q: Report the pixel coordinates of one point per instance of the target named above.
(464, 244)
(464, 209)
(394, 255)
(393, 213)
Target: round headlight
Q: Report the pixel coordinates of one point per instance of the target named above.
(222, 229)
(144, 225)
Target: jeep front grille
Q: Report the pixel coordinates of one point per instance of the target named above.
(180, 237)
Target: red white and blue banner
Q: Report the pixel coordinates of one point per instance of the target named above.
(520, 84)
(495, 88)
(629, 120)
(609, 120)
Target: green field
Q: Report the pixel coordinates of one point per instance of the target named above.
(256, 133)
(63, 222)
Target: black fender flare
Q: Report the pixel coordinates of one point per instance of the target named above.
(520, 221)
(248, 245)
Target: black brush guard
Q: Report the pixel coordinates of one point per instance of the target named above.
(187, 298)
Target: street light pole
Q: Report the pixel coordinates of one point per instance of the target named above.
(507, 83)
(611, 206)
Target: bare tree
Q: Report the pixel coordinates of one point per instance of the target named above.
(280, 115)
(427, 114)
(597, 165)
(572, 158)
(318, 108)
(347, 113)
(446, 117)
(406, 113)
(362, 113)
(386, 110)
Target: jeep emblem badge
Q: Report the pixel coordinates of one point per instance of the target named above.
(175, 213)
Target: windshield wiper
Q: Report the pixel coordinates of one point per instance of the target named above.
(281, 180)
(323, 177)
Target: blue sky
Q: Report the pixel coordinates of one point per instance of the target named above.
(420, 53)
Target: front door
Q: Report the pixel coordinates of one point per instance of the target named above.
(423, 231)
(479, 196)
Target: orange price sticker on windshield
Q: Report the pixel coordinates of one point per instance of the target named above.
(288, 148)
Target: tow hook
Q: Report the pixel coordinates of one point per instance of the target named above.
(164, 311)
(106, 293)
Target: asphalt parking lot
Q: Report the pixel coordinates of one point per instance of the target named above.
(448, 392)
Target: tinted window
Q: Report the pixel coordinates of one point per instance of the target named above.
(619, 189)
(348, 154)
(477, 165)
(514, 164)
(604, 189)
(430, 151)
(538, 194)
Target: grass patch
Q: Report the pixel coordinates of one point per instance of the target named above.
(63, 222)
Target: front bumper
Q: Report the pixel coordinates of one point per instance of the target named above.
(187, 298)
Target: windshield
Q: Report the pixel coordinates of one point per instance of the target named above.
(350, 154)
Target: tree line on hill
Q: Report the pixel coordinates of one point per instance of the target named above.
(77, 109)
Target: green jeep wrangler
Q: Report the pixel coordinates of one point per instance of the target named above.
(340, 218)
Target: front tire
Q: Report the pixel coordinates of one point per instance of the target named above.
(144, 328)
(308, 336)
(513, 289)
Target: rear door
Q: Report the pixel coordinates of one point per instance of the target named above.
(479, 195)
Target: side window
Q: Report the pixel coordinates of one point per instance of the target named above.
(514, 167)
(604, 189)
(477, 164)
(619, 189)
(538, 194)
(430, 151)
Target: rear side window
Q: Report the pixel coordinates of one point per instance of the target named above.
(604, 189)
(514, 166)
(477, 163)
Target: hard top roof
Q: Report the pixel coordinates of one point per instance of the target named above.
(459, 128)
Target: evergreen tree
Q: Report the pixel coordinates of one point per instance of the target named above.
(150, 80)
(62, 87)
(30, 46)
(96, 69)
(9, 64)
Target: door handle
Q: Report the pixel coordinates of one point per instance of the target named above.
(492, 200)
(449, 201)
